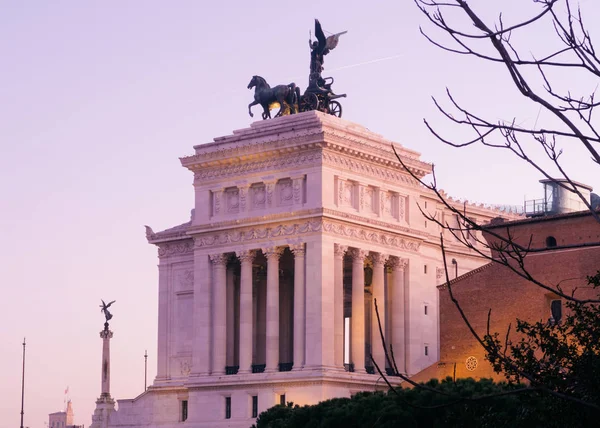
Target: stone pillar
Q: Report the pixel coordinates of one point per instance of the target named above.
(399, 312)
(357, 323)
(202, 345)
(219, 336)
(105, 405)
(377, 349)
(106, 335)
(162, 372)
(246, 259)
(230, 299)
(338, 309)
(299, 306)
(272, 348)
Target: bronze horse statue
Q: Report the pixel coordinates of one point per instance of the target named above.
(285, 95)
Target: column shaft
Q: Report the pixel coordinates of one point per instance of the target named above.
(246, 259)
(338, 309)
(299, 306)
(272, 348)
(219, 350)
(377, 349)
(358, 310)
(398, 313)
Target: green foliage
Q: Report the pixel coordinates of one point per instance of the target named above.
(420, 407)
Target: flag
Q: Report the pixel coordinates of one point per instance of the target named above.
(67, 390)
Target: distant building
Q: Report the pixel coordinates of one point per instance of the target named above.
(567, 251)
(63, 419)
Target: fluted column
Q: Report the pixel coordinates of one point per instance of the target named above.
(246, 259)
(219, 336)
(398, 341)
(272, 348)
(377, 349)
(338, 308)
(299, 306)
(358, 309)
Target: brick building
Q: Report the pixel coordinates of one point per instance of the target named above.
(569, 251)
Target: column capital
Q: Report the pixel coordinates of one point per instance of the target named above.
(246, 255)
(340, 250)
(219, 259)
(379, 259)
(397, 263)
(357, 254)
(298, 249)
(273, 252)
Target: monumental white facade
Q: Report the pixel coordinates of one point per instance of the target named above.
(267, 294)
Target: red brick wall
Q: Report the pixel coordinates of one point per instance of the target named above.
(509, 296)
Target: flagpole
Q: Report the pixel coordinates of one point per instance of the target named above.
(23, 385)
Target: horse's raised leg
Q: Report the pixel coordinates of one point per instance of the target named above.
(253, 103)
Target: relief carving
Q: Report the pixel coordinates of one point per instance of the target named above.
(243, 193)
(186, 279)
(217, 199)
(175, 248)
(286, 192)
(298, 190)
(259, 196)
(233, 200)
(310, 226)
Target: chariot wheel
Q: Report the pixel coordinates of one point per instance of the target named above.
(311, 102)
(335, 108)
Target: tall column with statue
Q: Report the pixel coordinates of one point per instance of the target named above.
(105, 405)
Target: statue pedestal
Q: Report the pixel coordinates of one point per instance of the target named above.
(105, 405)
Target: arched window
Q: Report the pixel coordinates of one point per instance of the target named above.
(550, 241)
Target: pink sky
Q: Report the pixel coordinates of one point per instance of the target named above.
(100, 100)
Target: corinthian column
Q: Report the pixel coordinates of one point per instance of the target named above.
(398, 341)
(299, 309)
(219, 350)
(338, 308)
(357, 322)
(377, 349)
(246, 259)
(272, 358)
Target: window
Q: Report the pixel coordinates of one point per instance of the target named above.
(227, 407)
(425, 224)
(425, 207)
(426, 350)
(184, 410)
(556, 311)
(424, 268)
(425, 309)
(255, 406)
(550, 241)
(282, 399)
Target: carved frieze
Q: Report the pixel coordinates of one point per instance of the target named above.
(175, 248)
(310, 226)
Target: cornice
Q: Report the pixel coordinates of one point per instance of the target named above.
(302, 215)
(261, 145)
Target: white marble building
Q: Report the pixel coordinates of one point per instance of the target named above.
(266, 294)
